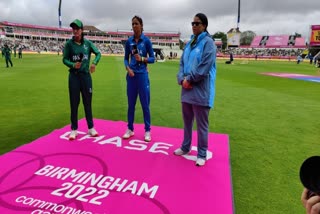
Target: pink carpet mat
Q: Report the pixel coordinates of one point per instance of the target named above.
(109, 175)
(304, 77)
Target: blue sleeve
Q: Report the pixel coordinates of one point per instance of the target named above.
(207, 60)
(150, 52)
(126, 53)
(180, 75)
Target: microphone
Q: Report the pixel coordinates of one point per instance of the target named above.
(79, 61)
(134, 49)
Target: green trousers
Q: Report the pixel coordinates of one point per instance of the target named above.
(8, 60)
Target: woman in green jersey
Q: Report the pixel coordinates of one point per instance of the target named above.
(76, 55)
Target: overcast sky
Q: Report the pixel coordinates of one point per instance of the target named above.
(264, 17)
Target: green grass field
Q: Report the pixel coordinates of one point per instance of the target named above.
(273, 123)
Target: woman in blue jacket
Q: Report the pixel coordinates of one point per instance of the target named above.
(197, 76)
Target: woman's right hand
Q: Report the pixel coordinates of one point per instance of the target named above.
(130, 72)
(312, 204)
(186, 84)
(77, 65)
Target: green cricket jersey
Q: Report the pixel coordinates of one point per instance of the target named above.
(74, 52)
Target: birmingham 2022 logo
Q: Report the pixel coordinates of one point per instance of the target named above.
(78, 187)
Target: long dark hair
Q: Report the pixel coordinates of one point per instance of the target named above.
(203, 19)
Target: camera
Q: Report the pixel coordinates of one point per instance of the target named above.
(310, 175)
(134, 49)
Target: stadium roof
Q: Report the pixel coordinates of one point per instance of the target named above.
(89, 28)
(129, 33)
(6, 23)
(92, 29)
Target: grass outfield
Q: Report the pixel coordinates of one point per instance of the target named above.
(273, 123)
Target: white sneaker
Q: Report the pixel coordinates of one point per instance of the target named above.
(200, 162)
(92, 132)
(128, 134)
(147, 136)
(180, 152)
(73, 135)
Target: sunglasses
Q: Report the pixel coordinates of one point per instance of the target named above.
(196, 23)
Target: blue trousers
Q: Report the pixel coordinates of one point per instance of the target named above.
(139, 84)
(201, 114)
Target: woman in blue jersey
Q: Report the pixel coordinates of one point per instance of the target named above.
(197, 74)
(138, 53)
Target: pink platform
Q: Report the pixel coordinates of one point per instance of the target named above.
(110, 175)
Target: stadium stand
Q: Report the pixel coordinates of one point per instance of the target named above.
(264, 41)
(291, 40)
(284, 47)
(166, 45)
(47, 39)
(299, 43)
(256, 41)
(277, 41)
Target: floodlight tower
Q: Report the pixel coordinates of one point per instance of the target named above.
(238, 23)
(59, 13)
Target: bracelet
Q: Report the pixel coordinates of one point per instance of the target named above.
(142, 59)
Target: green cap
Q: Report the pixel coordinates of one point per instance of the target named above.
(77, 23)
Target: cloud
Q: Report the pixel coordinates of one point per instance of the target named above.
(273, 17)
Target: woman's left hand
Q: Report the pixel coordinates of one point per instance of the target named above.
(186, 84)
(138, 57)
(92, 68)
